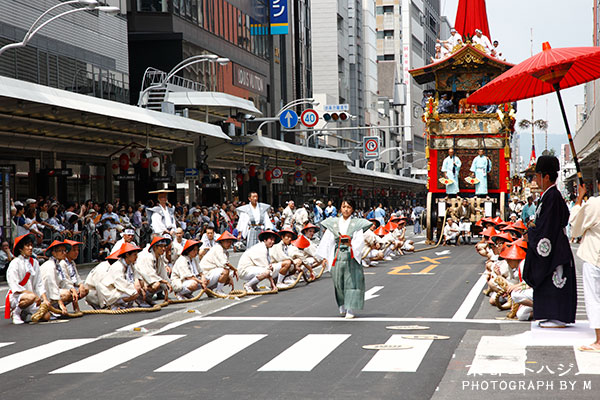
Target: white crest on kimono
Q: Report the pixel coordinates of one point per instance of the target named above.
(544, 247)
(557, 279)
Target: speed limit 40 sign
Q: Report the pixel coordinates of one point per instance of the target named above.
(371, 147)
(309, 118)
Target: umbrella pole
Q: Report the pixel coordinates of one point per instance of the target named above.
(571, 144)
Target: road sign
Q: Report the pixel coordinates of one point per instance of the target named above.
(278, 181)
(277, 173)
(309, 118)
(371, 147)
(191, 172)
(288, 119)
(336, 107)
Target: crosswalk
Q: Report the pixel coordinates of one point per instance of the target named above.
(303, 355)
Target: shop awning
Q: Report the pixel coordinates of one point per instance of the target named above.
(359, 176)
(217, 103)
(272, 145)
(37, 117)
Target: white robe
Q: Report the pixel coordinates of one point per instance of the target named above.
(484, 41)
(255, 256)
(287, 215)
(17, 269)
(183, 269)
(300, 218)
(176, 249)
(149, 268)
(70, 269)
(54, 279)
(326, 248)
(215, 258)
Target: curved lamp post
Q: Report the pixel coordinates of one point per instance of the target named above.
(90, 5)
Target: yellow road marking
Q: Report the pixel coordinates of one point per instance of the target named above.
(434, 262)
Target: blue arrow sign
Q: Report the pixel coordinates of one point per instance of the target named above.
(288, 119)
(191, 172)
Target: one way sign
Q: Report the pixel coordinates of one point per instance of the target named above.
(288, 119)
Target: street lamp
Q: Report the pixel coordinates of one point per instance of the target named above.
(212, 58)
(89, 5)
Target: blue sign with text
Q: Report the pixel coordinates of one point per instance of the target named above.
(279, 17)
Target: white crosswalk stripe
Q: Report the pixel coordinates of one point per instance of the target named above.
(211, 354)
(305, 354)
(35, 354)
(399, 360)
(117, 355)
(4, 344)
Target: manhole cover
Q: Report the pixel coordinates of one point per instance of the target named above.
(425, 337)
(386, 347)
(406, 327)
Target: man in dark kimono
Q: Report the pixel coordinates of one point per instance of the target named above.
(549, 266)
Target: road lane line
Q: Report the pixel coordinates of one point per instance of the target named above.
(358, 320)
(587, 362)
(399, 360)
(39, 353)
(211, 354)
(6, 344)
(499, 355)
(305, 354)
(370, 294)
(469, 302)
(138, 324)
(119, 354)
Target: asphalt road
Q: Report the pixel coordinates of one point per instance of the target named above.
(294, 345)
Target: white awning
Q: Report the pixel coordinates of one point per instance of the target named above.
(29, 110)
(301, 151)
(384, 176)
(212, 100)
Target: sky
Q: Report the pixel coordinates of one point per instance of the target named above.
(563, 23)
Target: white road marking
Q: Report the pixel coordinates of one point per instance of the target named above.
(119, 354)
(370, 294)
(359, 319)
(465, 308)
(39, 353)
(399, 360)
(499, 354)
(587, 362)
(442, 253)
(211, 354)
(6, 344)
(137, 325)
(305, 354)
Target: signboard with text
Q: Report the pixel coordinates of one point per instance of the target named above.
(250, 80)
(279, 17)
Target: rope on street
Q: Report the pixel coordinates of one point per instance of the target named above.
(439, 241)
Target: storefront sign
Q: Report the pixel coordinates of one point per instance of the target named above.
(278, 181)
(161, 179)
(279, 17)
(126, 178)
(250, 80)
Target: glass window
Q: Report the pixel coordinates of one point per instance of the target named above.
(379, 10)
(152, 5)
(380, 35)
(388, 9)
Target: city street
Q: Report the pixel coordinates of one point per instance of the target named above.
(294, 345)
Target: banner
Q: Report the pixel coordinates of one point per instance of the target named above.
(279, 17)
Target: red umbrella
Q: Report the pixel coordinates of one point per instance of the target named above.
(546, 72)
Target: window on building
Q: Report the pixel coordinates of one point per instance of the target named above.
(388, 9)
(380, 34)
(379, 10)
(388, 33)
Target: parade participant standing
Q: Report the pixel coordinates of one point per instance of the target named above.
(301, 217)
(341, 246)
(255, 264)
(162, 216)
(70, 268)
(57, 285)
(287, 215)
(330, 210)
(585, 222)
(379, 214)
(451, 169)
(216, 266)
(151, 269)
(480, 168)
(126, 237)
(529, 211)
(549, 266)
(26, 289)
(186, 276)
(254, 218)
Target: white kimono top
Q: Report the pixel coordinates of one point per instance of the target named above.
(255, 256)
(54, 279)
(150, 269)
(215, 258)
(184, 268)
(15, 274)
(70, 269)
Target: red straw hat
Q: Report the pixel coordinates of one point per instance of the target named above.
(496, 220)
(301, 243)
(513, 252)
(128, 248)
(54, 244)
(265, 234)
(72, 242)
(479, 223)
(288, 230)
(309, 226)
(489, 232)
(19, 240)
(504, 235)
(226, 236)
(114, 256)
(521, 243)
(520, 225)
(189, 244)
(158, 240)
(381, 231)
(390, 226)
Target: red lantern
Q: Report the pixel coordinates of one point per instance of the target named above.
(115, 167)
(350, 188)
(145, 162)
(252, 171)
(383, 192)
(155, 164)
(134, 156)
(268, 175)
(359, 192)
(124, 161)
(314, 180)
(341, 192)
(240, 179)
(308, 177)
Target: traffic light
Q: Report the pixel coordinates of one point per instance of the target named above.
(336, 117)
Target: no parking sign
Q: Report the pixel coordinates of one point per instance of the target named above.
(371, 147)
